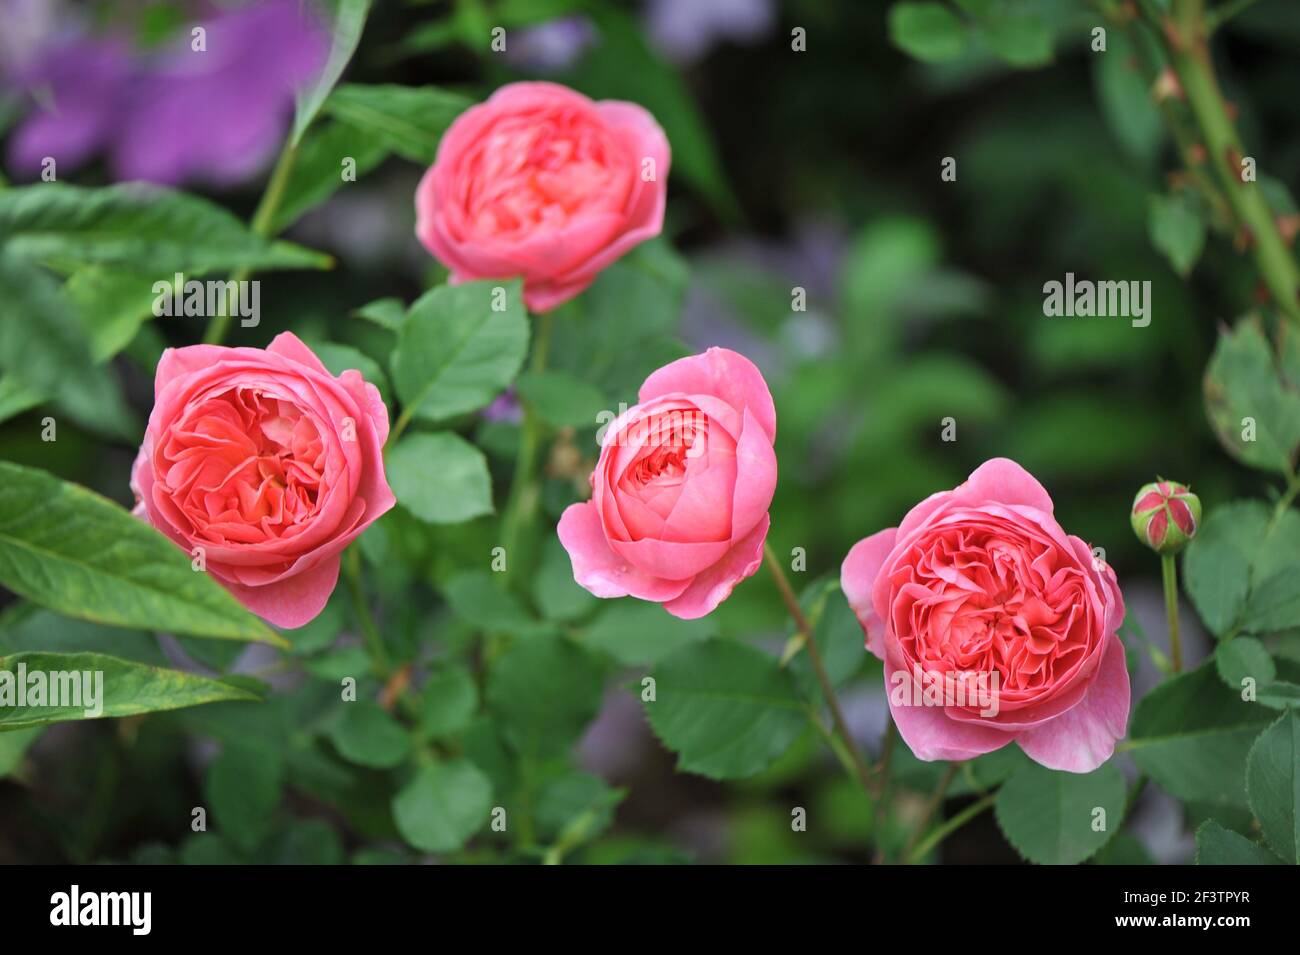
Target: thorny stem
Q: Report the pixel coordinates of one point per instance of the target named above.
(819, 667)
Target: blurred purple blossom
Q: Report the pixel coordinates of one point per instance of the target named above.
(505, 408)
(180, 114)
(551, 46)
(685, 30)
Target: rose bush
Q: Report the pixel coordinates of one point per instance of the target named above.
(678, 512)
(982, 580)
(543, 183)
(268, 463)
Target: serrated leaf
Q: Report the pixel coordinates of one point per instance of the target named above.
(443, 805)
(126, 688)
(69, 549)
(562, 399)
(440, 478)
(349, 22)
(456, 352)
(1216, 566)
(1254, 411)
(1273, 785)
(476, 597)
(1242, 659)
(408, 120)
(726, 709)
(637, 633)
(544, 691)
(140, 226)
(1191, 735)
(1052, 818)
(1216, 845)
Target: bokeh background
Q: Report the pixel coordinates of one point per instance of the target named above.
(816, 169)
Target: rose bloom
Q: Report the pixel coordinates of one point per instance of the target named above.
(267, 462)
(542, 183)
(678, 512)
(982, 580)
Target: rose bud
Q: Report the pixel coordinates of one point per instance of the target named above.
(267, 464)
(543, 183)
(1165, 516)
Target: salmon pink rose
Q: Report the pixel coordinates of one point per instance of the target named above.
(265, 464)
(678, 511)
(994, 626)
(542, 183)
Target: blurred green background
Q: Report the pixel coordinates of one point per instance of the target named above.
(818, 170)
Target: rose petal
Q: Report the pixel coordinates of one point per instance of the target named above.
(598, 569)
(858, 575)
(714, 585)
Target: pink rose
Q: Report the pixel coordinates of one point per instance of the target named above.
(678, 512)
(979, 589)
(542, 183)
(268, 463)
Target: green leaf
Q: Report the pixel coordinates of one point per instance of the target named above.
(349, 22)
(42, 345)
(57, 688)
(1176, 225)
(69, 549)
(1191, 734)
(112, 304)
(561, 399)
(1216, 845)
(1216, 566)
(1052, 817)
(443, 805)
(440, 478)
(455, 352)
(575, 807)
(544, 691)
(475, 597)
(1254, 411)
(387, 313)
(15, 397)
(139, 226)
(1242, 659)
(928, 31)
(1019, 36)
(1125, 99)
(1273, 785)
(637, 633)
(727, 710)
(317, 171)
(364, 733)
(243, 790)
(555, 592)
(448, 701)
(407, 120)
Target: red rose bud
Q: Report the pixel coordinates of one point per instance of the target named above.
(1165, 516)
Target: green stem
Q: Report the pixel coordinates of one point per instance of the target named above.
(931, 806)
(1185, 41)
(860, 768)
(940, 833)
(1222, 14)
(1169, 573)
(521, 505)
(1285, 501)
(374, 640)
(886, 785)
(263, 223)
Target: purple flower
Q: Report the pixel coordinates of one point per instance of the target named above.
(215, 113)
(685, 30)
(551, 46)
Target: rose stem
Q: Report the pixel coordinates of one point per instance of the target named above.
(819, 667)
(374, 642)
(262, 224)
(931, 805)
(1169, 571)
(882, 806)
(522, 502)
(940, 833)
